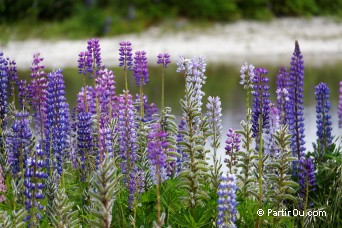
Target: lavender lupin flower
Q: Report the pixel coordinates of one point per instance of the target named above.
(214, 114)
(156, 148)
(180, 138)
(84, 63)
(246, 75)
(164, 59)
(296, 118)
(125, 52)
(339, 111)
(324, 125)
(232, 146)
(57, 124)
(95, 52)
(227, 202)
(140, 68)
(261, 108)
(283, 105)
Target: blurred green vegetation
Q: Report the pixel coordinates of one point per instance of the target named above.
(72, 19)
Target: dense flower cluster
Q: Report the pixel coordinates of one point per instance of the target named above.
(306, 172)
(295, 115)
(232, 146)
(214, 114)
(324, 125)
(58, 123)
(4, 79)
(125, 52)
(94, 51)
(261, 102)
(140, 68)
(247, 74)
(227, 202)
(19, 142)
(164, 59)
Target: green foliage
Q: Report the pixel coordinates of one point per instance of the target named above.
(106, 187)
(15, 220)
(62, 214)
(284, 188)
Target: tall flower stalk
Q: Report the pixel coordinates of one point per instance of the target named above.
(232, 147)
(324, 125)
(296, 115)
(260, 122)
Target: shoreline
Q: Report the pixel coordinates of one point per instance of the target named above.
(320, 40)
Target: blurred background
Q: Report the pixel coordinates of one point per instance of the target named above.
(226, 32)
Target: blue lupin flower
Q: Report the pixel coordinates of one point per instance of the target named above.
(283, 104)
(261, 103)
(227, 202)
(57, 124)
(296, 116)
(34, 183)
(18, 143)
(4, 83)
(84, 139)
(324, 125)
(95, 52)
(125, 52)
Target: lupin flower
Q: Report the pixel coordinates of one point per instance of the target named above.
(283, 104)
(247, 75)
(156, 148)
(34, 183)
(232, 146)
(84, 139)
(4, 81)
(18, 143)
(324, 125)
(84, 63)
(57, 124)
(339, 111)
(296, 115)
(140, 68)
(181, 63)
(164, 59)
(180, 138)
(86, 103)
(261, 102)
(306, 171)
(269, 140)
(227, 202)
(125, 52)
(106, 92)
(95, 52)
(37, 90)
(214, 114)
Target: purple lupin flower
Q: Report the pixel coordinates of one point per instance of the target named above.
(295, 115)
(339, 111)
(163, 59)
(140, 68)
(283, 105)
(156, 148)
(232, 146)
(95, 52)
(57, 124)
(306, 172)
(127, 142)
(18, 142)
(4, 83)
(324, 125)
(261, 102)
(84, 141)
(34, 184)
(106, 93)
(86, 103)
(125, 53)
(37, 91)
(22, 93)
(214, 114)
(84, 63)
(226, 207)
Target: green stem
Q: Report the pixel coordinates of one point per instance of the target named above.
(162, 94)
